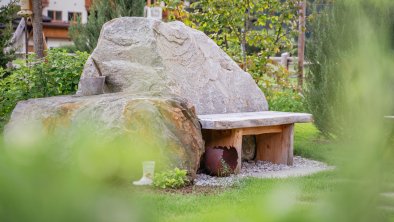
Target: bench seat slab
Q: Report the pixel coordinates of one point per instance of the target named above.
(251, 119)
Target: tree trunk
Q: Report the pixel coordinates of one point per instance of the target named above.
(243, 36)
(37, 28)
(301, 45)
(243, 49)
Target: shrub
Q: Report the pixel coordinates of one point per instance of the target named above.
(58, 75)
(171, 179)
(280, 90)
(325, 49)
(287, 101)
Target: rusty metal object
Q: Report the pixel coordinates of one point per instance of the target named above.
(220, 161)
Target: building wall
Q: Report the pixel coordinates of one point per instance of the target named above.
(66, 6)
(54, 43)
(63, 5)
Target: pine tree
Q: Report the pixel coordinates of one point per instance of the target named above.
(7, 15)
(85, 36)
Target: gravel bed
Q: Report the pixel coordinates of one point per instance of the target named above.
(264, 169)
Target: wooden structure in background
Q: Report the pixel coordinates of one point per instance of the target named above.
(53, 30)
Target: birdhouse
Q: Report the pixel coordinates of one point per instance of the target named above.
(25, 5)
(25, 8)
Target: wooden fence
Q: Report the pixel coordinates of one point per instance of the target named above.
(286, 60)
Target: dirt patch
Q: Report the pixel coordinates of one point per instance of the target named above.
(187, 190)
(192, 189)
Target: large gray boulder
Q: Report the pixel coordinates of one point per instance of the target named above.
(154, 71)
(139, 55)
(166, 124)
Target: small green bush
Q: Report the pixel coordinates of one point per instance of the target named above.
(327, 47)
(280, 91)
(58, 75)
(287, 101)
(175, 178)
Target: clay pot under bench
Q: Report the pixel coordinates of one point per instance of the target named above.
(92, 85)
(220, 161)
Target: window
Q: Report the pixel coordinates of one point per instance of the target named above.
(55, 15)
(73, 16)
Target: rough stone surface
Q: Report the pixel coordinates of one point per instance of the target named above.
(252, 119)
(168, 122)
(265, 170)
(146, 56)
(139, 55)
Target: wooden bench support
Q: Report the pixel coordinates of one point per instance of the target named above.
(227, 138)
(274, 143)
(276, 147)
(273, 130)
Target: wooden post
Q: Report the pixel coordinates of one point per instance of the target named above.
(37, 28)
(26, 41)
(276, 147)
(301, 44)
(284, 60)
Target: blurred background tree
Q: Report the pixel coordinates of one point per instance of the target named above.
(85, 36)
(7, 15)
(329, 43)
(326, 30)
(250, 31)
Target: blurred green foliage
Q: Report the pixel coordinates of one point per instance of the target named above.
(58, 74)
(68, 48)
(287, 100)
(175, 178)
(176, 10)
(86, 178)
(331, 51)
(326, 47)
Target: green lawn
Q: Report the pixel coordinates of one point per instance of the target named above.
(249, 200)
(310, 144)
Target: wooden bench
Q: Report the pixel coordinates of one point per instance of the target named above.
(273, 130)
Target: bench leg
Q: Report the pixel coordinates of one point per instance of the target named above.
(226, 138)
(276, 147)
